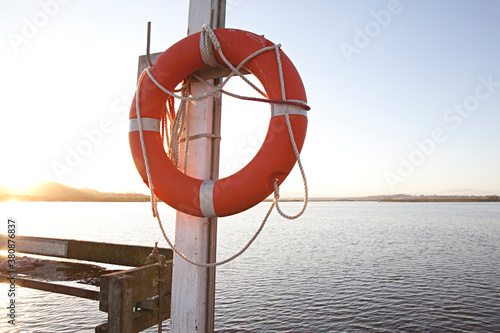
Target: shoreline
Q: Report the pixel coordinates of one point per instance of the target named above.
(54, 192)
(266, 200)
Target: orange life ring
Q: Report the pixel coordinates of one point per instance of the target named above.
(274, 160)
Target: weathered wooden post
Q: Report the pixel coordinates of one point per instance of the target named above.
(193, 288)
(121, 303)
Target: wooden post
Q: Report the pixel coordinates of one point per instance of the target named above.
(120, 315)
(192, 290)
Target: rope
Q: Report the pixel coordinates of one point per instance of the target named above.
(236, 70)
(295, 149)
(222, 262)
(252, 99)
(177, 128)
(207, 51)
(186, 116)
(154, 201)
(183, 113)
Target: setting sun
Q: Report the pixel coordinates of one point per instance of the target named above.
(20, 183)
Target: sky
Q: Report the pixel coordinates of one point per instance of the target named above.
(404, 95)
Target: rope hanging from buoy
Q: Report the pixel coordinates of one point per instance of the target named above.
(282, 111)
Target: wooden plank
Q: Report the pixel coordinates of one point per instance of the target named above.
(143, 319)
(143, 278)
(121, 290)
(150, 303)
(208, 72)
(103, 328)
(143, 62)
(117, 254)
(142, 283)
(38, 245)
(53, 287)
(126, 255)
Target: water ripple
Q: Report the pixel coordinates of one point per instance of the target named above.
(343, 267)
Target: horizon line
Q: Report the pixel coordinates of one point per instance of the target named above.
(22, 191)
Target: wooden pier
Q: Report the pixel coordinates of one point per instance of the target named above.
(135, 299)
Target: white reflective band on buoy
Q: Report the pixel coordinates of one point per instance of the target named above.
(207, 198)
(148, 124)
(279, 109)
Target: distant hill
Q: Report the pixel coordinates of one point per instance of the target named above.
(407, 198)
(440, 198)
(416, 198)
(50, 191)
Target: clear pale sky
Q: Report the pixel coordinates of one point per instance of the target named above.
(405, 95)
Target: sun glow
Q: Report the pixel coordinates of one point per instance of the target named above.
(18, 184)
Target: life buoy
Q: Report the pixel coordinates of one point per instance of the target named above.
(274, 160)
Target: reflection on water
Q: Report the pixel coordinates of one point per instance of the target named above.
(38, 311)
(408, 267)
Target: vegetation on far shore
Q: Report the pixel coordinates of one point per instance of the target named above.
(50, 191)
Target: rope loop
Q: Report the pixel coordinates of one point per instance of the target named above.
(206, 49)
(208, 30)
(208, 39)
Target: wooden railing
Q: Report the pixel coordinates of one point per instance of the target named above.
(134, 299)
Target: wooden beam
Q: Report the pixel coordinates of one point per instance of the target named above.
(142, 279)
(121, 291)
(117, 254)
(53, 287)
(143, 62)
(143, 318)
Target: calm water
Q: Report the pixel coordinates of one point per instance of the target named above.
(343, 267)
